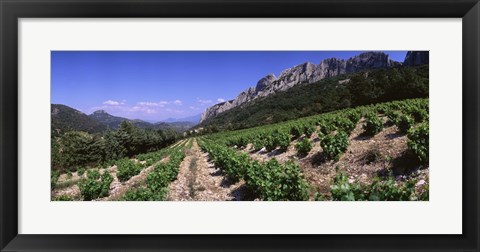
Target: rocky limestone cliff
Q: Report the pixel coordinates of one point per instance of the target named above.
(304, 73)
(414, 58)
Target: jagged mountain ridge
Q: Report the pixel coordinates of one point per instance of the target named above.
(304, 73)
(330, 94)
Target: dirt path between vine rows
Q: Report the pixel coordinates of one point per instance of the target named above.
(200, 180)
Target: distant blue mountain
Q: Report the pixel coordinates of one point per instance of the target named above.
(193, 119)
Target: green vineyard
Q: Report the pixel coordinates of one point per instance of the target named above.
(376, 152)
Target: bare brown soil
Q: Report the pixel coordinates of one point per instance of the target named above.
(71, 191)
(199, 180)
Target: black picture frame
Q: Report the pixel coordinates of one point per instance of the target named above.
(12, 10)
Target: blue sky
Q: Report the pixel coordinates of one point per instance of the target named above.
(156, 85)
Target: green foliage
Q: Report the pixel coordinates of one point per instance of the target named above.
(269, 181)
(63, 198)
(373, 124)
(65, 119)
(425, 195)
(127, 168)
(309, 129)
(418, 114)
(418, 142)
(379, 190)
(334, 145)
(277, 182)
(344, 124)
(303, 147)
(296, 131)
(232, 164)
(54, 175)
(326, 127)
(258, 143)
(329, 123)
(80, 171)
(382, 190)
(93, 174)
(381, 108)
(79, 149)
(270, 144)
(189, 143)
(92, 188)
(158, 180)
(404, 123)
(152, 157)
(69, 175)
(262, 179)
(277, 139)
(343, 190)
(164, 173)
(145, 194)
(393, 117)
(114, 122)
(75, 149)
(149, 162)
(354, 116)
(319, 197)
(242, 142)
(282, 140)
(108, 164)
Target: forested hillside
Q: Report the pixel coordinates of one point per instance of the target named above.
(66, 119)
(113, 122)
(79, 140)
(75, 149)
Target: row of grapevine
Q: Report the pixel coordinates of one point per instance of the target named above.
(410, 117)
(127, 168)
(95, 185)
(158, 180)
(273, 181)
(334, 128)
(268, 181)
(379, 190)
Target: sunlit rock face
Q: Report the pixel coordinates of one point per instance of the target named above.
(305, 73)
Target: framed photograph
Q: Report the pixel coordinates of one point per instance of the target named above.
(226, 125)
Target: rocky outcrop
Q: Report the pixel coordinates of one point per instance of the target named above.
(415, 58)
(304, 73)
(265, 82)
